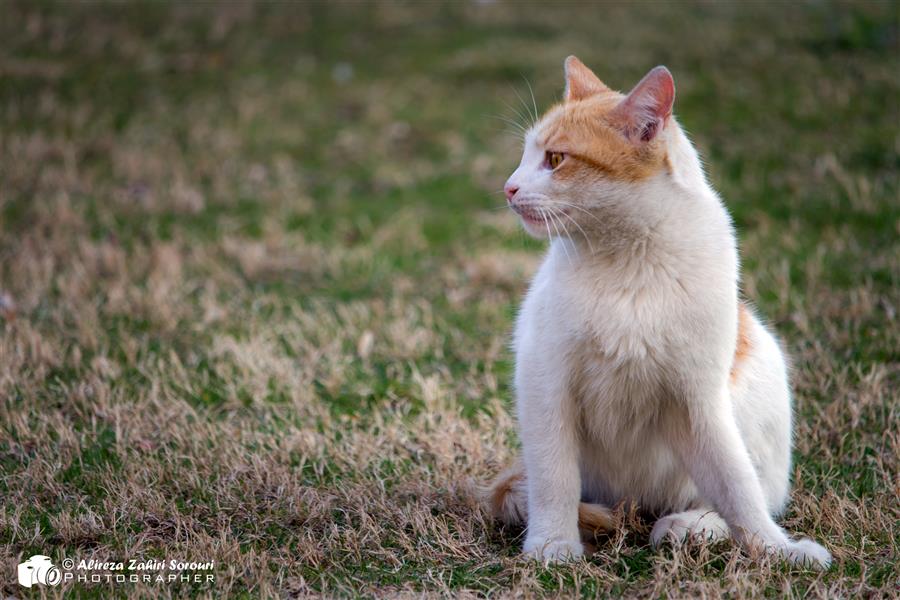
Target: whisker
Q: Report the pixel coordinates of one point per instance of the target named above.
(519, 127)
(586, 238)
(564, 228)
(524, 105)
(558, 235)
(575, 206)
(514, 133)
(554, 216)
(525, 118)
(533, 102)
(547, 225)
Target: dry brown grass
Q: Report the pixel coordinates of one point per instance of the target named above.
(255, 302)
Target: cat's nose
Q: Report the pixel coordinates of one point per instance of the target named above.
(510, 190)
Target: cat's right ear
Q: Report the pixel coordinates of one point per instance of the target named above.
(581, 81)
(643, 114)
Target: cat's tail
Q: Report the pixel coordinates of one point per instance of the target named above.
(507, 500)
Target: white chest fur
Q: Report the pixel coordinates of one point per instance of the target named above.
(606, 338)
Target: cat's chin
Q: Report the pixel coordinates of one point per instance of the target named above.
(536, 228)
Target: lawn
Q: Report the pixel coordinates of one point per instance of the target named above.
(257, 284)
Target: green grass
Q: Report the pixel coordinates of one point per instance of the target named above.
(263, 292)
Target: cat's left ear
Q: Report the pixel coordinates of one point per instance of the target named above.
(580, 81)
(647, 108)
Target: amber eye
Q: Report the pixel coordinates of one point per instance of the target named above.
(554, 159)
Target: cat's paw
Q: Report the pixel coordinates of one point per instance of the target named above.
(548, 551)
(807, 553)
(677, 527)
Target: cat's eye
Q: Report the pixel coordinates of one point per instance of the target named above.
(554, 159)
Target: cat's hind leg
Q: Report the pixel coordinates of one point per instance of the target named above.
(703, 523)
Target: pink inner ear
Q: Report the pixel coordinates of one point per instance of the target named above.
(643, 113)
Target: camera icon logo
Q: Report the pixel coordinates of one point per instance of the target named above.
(38, 569)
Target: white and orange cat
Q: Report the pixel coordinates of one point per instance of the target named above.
(640, 376)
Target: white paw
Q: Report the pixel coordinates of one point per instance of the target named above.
(807, 553)
(679, 526)
(549, 551)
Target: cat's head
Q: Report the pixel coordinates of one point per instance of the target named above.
(585, 159)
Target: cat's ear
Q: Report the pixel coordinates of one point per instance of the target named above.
(581, 81)
(647, 108)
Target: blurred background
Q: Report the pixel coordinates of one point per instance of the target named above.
(257, 279)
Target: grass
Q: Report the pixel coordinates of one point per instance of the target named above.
(255, 296)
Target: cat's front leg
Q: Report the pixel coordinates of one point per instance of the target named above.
(549, 448)
(710, 445)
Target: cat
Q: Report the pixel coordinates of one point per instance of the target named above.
(639, 374)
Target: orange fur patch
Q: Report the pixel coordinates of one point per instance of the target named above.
(502, 488)
(502, 494)
(594, 518)
(587, 131)
(744, 343)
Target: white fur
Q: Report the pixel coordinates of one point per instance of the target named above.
(624, 345)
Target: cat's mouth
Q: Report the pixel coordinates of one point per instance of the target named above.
(532, 216)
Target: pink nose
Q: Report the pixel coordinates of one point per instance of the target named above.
(510, 190)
